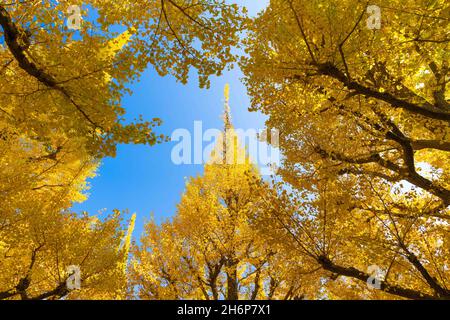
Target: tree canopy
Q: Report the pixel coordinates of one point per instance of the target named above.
(364, 117)
(359, 208)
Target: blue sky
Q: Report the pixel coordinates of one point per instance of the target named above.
(144, 179)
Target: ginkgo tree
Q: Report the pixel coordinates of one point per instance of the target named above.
(39, 246)
(209, 250)
(363, 115)
(61, 112)
(53, 76)
(358, 91)
(40, 238)
(346, 249)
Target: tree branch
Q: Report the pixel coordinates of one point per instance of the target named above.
(328, 69)
(354, 273)
(12, 39)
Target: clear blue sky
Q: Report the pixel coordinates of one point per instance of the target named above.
(143, 179)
